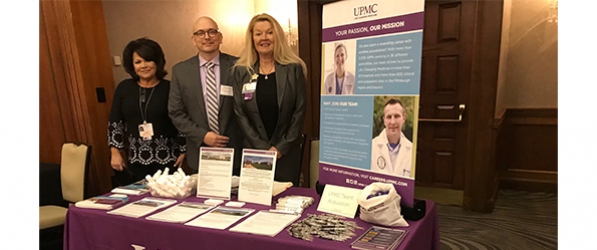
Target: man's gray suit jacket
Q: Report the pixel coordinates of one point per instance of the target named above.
(186, 107)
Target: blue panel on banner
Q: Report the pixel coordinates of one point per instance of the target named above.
(345, 133)
(389, 65)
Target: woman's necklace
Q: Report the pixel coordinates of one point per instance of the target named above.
(269, 72)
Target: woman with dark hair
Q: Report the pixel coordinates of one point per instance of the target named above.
(139, 115)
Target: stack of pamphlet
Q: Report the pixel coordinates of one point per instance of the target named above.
(137, 188)
(103, 202)
(293, 204)
(379, 238)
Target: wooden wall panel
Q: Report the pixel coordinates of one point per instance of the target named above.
(96, 72)
(51, 132)
(76, 63)
(450, 28)
(527, 150)
(447, 68)
(533, 147)
(444, 162)
(57, 19)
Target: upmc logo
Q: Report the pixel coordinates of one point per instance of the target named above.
(365, 11)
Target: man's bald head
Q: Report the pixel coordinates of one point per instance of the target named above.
(204, 21)
(206, 37)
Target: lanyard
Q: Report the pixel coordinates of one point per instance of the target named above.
(142, 100)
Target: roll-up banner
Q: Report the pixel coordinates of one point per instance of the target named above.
(371, 72)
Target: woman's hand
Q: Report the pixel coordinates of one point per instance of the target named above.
(179, 161)
(116, 160)
(275, 149)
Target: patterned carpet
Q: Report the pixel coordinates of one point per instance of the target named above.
(520, 220)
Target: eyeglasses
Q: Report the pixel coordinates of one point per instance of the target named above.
(210, 32)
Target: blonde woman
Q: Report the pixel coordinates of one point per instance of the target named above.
(339, 82)
(270, 95)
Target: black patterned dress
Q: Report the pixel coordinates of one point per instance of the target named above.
(132, 105)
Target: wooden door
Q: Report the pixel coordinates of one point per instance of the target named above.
(448, 42)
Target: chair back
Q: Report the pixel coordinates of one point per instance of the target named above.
(74, 162)
(314, 163)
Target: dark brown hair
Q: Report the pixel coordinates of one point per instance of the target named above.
(150, 51)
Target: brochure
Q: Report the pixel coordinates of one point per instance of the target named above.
(142, 207)
(257, 176)
(220, 217)
(379, 238)
(103, 202)
(265, 223)
(182, 212)
(137, 188)
(215, 173)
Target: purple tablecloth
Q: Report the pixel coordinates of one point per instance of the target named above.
(94, 229)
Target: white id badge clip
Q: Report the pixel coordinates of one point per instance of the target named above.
(146, 131)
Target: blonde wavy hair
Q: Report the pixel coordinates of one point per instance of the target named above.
(283, 54)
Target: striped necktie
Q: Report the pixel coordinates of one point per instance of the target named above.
(212, 98)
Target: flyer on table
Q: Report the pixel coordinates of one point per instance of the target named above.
(220, 217)
(257, 176)
(181, 212)
(215, 172)
(371, 71)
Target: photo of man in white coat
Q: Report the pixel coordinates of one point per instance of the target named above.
(391, 151)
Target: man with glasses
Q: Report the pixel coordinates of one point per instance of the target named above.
(200, 103)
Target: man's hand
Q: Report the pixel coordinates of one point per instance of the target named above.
(214, 140)
(275, 149)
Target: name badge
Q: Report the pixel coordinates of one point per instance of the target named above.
(226, 90)
(249, 89)
(146, 131)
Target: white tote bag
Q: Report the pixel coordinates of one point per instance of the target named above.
(383, 209)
